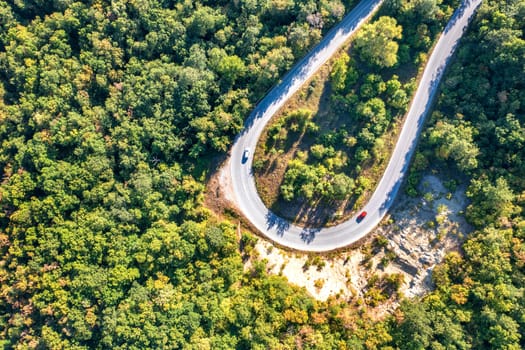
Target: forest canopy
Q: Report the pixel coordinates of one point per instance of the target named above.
(109, 112)
(109, 115)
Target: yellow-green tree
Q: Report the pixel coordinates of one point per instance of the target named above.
(376, 43)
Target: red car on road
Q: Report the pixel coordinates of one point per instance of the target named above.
(361, 216)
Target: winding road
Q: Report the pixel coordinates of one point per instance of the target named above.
(330, 238)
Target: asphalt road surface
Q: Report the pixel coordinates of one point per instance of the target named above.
(330, 238)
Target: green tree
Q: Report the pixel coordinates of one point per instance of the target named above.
(374, 113)
(339, 72)
(342, 186)
(491, 200)
(376, 43)
(455, 142)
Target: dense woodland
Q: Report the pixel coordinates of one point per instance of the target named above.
(109, 112)
(478, 128)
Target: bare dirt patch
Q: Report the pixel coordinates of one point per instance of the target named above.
(219, 194)
(411, 241)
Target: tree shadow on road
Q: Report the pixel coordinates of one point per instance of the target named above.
(273, 221)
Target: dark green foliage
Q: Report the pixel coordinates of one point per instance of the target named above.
(455, 142)
(105, 109)
(478, 128)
